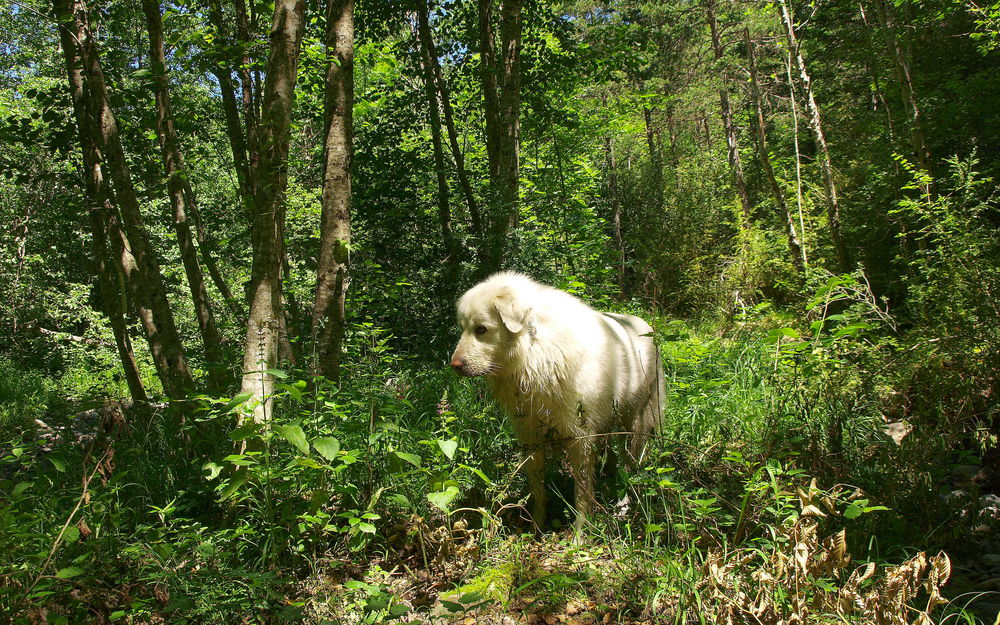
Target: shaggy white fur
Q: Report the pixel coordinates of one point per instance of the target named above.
(567, 375)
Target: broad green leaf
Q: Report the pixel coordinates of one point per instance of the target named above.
(413, 459)
(327, 446)
(367, 528)
(448, 447)
(69, 572)
(294, 435)
(58, 462)
(442, 499)
(245, 431)
(71, 535)
(236, 401)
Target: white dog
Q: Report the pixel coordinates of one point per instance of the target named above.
(566, 374)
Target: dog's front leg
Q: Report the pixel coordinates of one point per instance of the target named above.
(581, 461)
(535, 468)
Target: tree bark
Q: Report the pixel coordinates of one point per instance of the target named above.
(502, 98)
(655, 157)
(230, 107)
(181, 196)
(441, 87)
(822, 151)
(798, 157)
(263, 323)
(332, 273)
(792, 237)
(99, 207)
(901, 67)
(452, 250)
(142, 277)
(732, 140)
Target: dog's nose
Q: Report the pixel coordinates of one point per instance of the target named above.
(458, 364)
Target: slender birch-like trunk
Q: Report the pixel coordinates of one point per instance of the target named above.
(141, 268)
(822, 151)
(475, 219)
(182, 197)
(452, 251)
(732, 140)
(100, 207)
(792, 237)
(263, 324)
(501, 80)
(332, 273)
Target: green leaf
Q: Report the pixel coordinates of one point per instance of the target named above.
(478, 472)
(327, 446)
(413, 459)
(71, 535)
(245, 431)
(58, 463)
(448, 447)
(236, 401)
(367, 528)
(278, 373)
(853, 511)
(117, 614)
(69, 572)
(442, 499)
(294, 435)
(213, 470)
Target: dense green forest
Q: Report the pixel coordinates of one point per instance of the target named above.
(233, 234)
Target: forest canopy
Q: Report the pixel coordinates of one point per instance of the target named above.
(232, 235)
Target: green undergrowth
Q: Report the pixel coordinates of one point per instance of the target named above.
(396, 496)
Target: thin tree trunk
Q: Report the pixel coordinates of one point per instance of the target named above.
(794, 246)
(99, 206)
(616, 213)
(501, 90)
(449, 121)
(181, 196)
(142, 278)
(452, 251)
(901, 67)
(655, 157)
(234, 128)
(732, 141)
(798, 156)
(332, 273)
(250, 88)
(873, 71)
(822, 152)
(263, 324)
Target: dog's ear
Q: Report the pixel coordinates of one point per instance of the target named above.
(512, 312)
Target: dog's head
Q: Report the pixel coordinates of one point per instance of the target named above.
(493, 315)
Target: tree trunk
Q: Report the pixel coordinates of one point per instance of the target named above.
(263, 323)
(901, 67)
(732, 140)
(332, 273)
(452, 250)
(502, 95)
(99, 206)
(234, 128)
(441, 87)
(822, 152)
(181, 196)
(655, 157)
(794, 246)
(142, 278)
(798, 156)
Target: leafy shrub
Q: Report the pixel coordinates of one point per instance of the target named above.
(25, 395)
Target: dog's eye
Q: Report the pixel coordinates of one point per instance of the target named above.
(480, 330)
